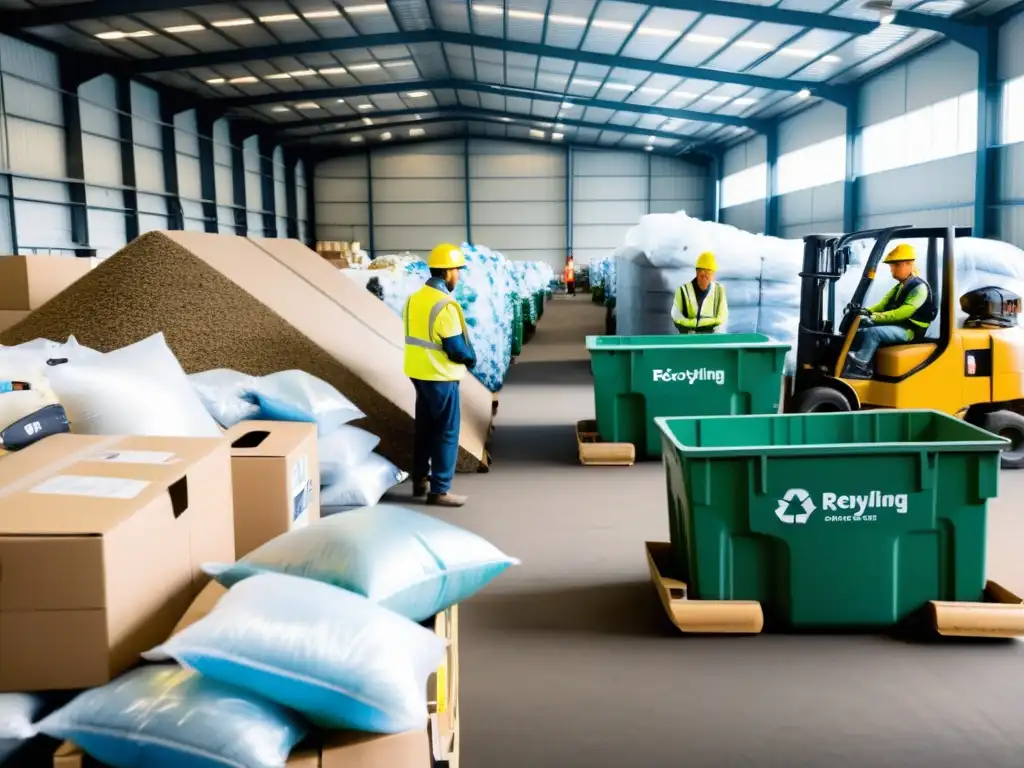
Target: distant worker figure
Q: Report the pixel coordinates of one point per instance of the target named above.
(570, 277)
(903, 315)
(437, 354)
(699, 305)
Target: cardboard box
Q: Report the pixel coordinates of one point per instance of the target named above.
(257, 305)
(9, 317)
(28, 282)
(443, 693)
(101, 545)
(276, 478)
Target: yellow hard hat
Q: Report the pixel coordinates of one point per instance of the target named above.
(902, 252)
(446, 256)
(707, 261)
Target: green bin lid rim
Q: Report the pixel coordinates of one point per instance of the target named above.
(986, 442)
(592, 345)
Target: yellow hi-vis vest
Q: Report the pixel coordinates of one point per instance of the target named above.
(713, 312)
(425, 358)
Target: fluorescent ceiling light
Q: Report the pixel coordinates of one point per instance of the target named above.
(799, 53)
(658, 32)
(277, 76)
(653, 91)
(886, 17)
(714, 97)
(374, 8)
(416, 131)
(557, 136)
(709, 39)
(386, 135)
(543, 125)
(803, 93)
(185, 28)
(831, 59)
(417, 94)
(619, 25)
(744, 101)
(402, 63)
(341, 101)
(327, 14)
(652, 139)
(572, 21)
(279, 17)
(754, 45)
(619, 87)
(493, 10)
(234, 23)
(567, 105)
(303, 73)
(685, 95)
(365, 106)
(648, 148)
(586, 83)
(280, 109)
(356, 139)
(216, 81)
(243, 80)
(537, 134)
(532, 15)
(141, 33)
(112, 35)
(506, 119)
(367, 121)
(559, 126)
(333, 71)
(416, 117)
(307, 105)
(363, 67)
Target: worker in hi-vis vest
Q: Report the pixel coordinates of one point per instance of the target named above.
(437, 354)
(699, 305)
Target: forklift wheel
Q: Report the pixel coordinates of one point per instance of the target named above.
(1011, 426)
(820, 400)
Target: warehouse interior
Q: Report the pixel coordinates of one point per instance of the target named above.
(231, 174)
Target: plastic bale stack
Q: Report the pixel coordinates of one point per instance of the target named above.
(257, 306)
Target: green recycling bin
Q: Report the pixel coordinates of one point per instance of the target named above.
(540, 297)
(517, 328)
(831, 520)
(637, 378)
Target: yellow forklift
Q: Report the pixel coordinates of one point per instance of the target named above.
(974, 371)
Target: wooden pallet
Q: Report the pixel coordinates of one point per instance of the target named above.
(718, 617)
(595, 453)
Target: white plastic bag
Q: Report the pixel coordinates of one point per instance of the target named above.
(18, 712)
(226, 395)
(363, 484)
(327, 653)
(137, 390)
(299, 396)
(342, 449)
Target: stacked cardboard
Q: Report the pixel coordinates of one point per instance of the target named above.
(28, 282)
(340, 254)
(258, 306)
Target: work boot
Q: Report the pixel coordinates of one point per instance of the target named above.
(856, 369)
(446, 500)
(419, 488)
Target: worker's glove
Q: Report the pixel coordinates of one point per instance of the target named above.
(863, 311)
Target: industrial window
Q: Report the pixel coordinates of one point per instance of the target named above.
(745, 186)
(1013, 111)
(940, 130)
(813, 166)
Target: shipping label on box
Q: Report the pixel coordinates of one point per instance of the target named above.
(108, 554)
(276, 476)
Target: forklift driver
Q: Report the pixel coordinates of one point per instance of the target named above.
(902, 316)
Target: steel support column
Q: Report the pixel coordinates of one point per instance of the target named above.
(986, 176)
(851, 189)
(369, 204)
(771, 201)
(74, 155)
(207, 170)
(291, 195)
(466, 189)
(268, 191)
(241, 208)
(712, 188)
(126, 135)
(169, 155)
(568, 199)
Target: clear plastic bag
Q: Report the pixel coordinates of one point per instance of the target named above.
(227, 395)
(414, 564)
(362, 484)
(332, 655)
(163, 716)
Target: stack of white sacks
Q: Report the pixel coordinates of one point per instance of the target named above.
(141, 389)
(761, 274)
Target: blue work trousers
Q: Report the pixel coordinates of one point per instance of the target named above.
(868, 340)
(436, 447)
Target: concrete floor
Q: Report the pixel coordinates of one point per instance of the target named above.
(569, 660)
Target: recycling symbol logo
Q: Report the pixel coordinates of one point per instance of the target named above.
(795, 499)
